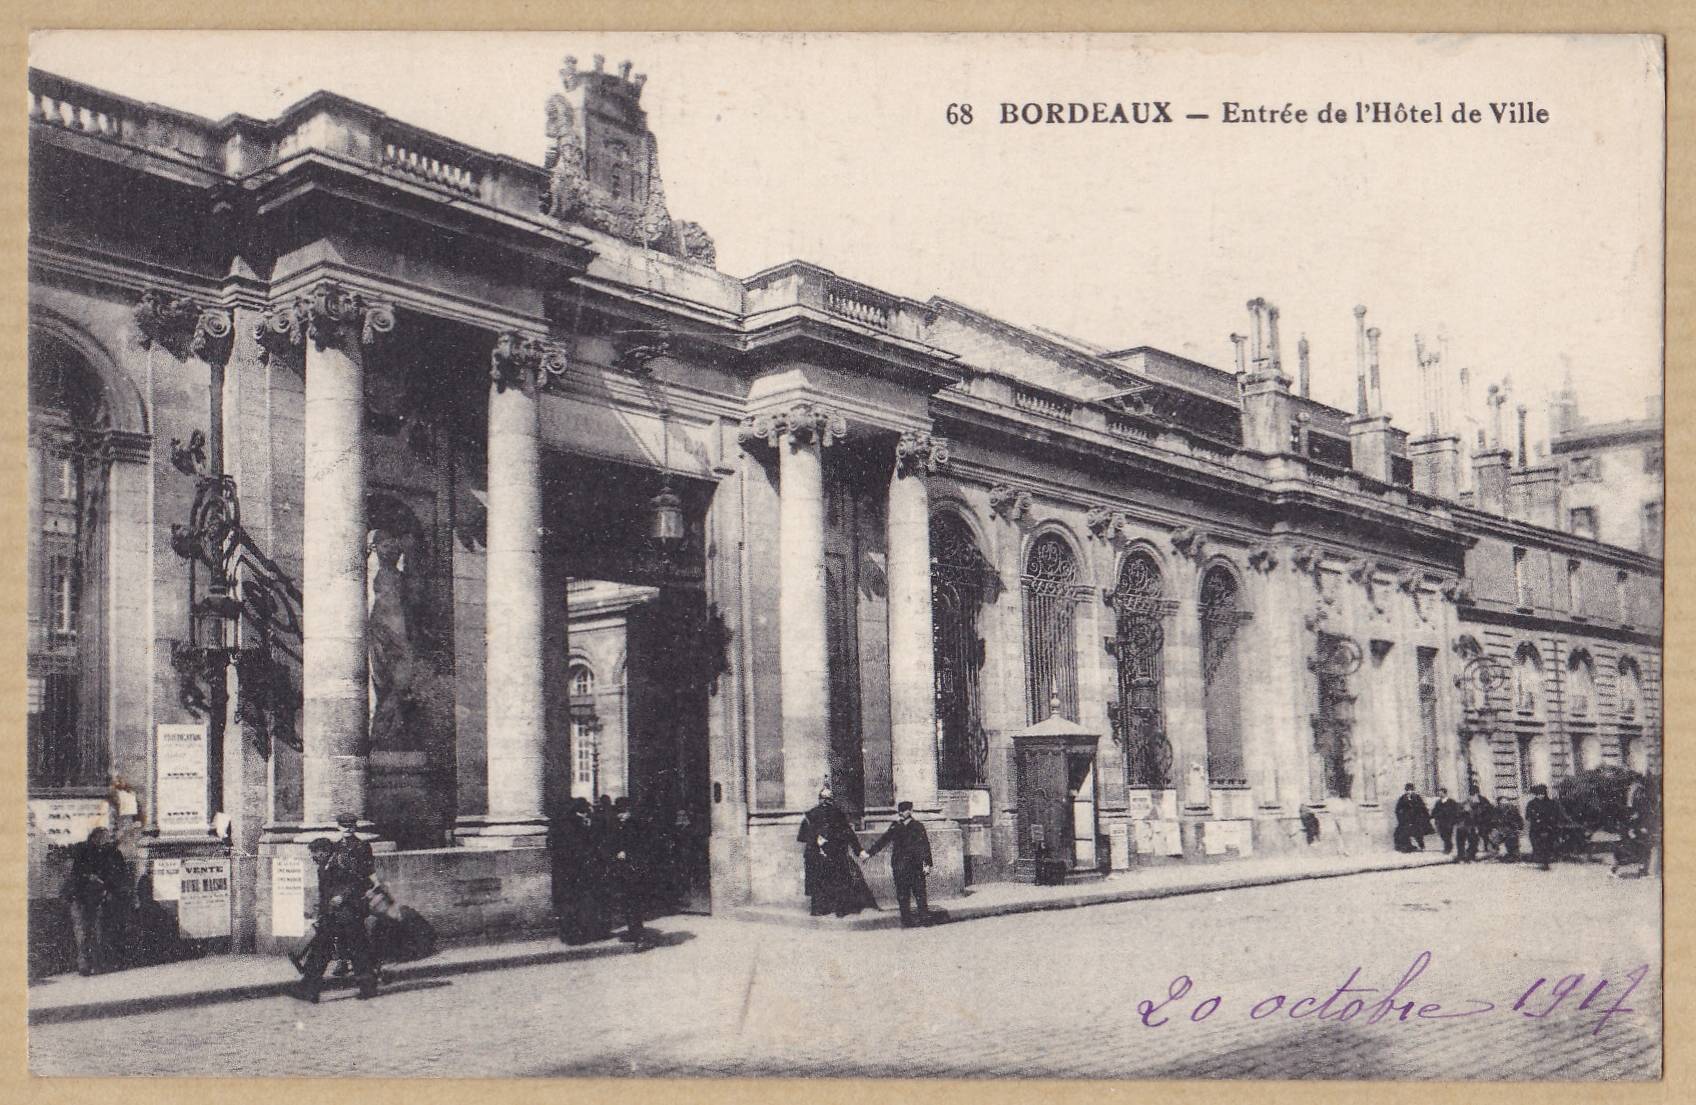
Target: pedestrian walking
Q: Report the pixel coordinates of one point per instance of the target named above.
(1413, 821)
(1445, 814)
(575, 852)
(909, 860)
(832, 878)
(629, 870)
(1542, 823)
(98, 893)
(341, 923)
(1509, 824)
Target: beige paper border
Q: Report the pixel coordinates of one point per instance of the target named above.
(1673, 18)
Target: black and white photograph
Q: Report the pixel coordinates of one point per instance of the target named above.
(844, 556)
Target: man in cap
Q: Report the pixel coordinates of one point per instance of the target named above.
(1542, 823)
(909, 860)
(1413, 821)
(626, 852)
(358, 858)
(341, 923)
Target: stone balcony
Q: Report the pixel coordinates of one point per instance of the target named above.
(799, 284)
(324, 124)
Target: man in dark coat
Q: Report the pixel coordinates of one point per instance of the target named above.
(360, 862)
(629, 868)
(1446, 814)
(98, 892)
(833, 879)
(1413, 821)
(1542, 822)
(1473, 832)
(909, 860)
(1509, 824)
(342, 885)
(576, 863)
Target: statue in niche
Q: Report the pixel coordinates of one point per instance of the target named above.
(395, 639)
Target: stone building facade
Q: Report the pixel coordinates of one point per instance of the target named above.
(353, 404)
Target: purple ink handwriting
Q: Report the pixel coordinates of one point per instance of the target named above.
(1606, 999)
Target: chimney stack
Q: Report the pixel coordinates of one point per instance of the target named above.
(1372, 359)
(1360, 362)
(1265, 390)
(1237, 343)
(1523, 459)
(1301, 358)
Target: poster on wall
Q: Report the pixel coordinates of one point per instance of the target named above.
(1141, 804)
(1119, 835)
(167, 878)
(181, 772)
(1171, 838)
(67, 821)
(288, 896)
(1144, 836)
(203, 907)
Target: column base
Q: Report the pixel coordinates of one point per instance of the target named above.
(276, 837)
(499, 832)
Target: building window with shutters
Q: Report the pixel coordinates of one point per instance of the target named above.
(1220, 618)
(585, 731)
(1051, 639)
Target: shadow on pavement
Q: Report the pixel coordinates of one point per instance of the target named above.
(423, 969)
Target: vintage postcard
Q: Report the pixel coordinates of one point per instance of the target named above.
(949, 556)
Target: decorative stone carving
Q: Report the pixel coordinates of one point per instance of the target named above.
(524, 361)
(329, 314)
(1365, 573)
(1458, 591)
(1412, 584)
(920, 454)
(804, 421)
(1263, 558)
(621, 193)
(183, 327)
(635, 358)
(1010, 502)
(1105, 522)
(1190, 543)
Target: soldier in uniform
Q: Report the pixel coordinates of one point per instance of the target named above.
(359, 860)
(909, 860)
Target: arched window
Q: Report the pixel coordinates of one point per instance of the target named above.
(960, 579)
(70, 459)
(1581, 685)
(1630, 688)
(1051, 638)
(1528, 680)
(1221, 696)
(585, 729)
(1139, 607)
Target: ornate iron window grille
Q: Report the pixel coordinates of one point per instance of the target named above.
(1138, 645)
(1220, 619)
(959, 584)
(1051, 649)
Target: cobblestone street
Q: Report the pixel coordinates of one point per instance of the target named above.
(1037, 994)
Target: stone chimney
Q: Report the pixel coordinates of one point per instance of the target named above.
(1436, 465)
(1306, 375)
(1267, 409)
(1490, 464)
(1369, 432)
(1534, 495)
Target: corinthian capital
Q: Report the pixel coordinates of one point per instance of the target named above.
(920, 454)
(329, 314)
(182, 327)
(524, 361)
(803, 422)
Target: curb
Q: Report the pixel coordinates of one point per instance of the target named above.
(961, 909)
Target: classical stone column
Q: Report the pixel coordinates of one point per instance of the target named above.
(912, 661)
(335, 324)
(800, 434)
(516, 602)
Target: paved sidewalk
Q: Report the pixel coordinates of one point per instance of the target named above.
(997, 899)
(227, 978)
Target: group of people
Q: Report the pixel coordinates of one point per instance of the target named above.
(359, 927)
(831, 850)
(1478, 825)
(612, 866)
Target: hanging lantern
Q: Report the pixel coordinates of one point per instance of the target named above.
(666, 526)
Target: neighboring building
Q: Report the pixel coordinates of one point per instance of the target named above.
(354, 408)
(1613, 478)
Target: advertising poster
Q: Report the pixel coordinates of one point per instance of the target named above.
(167, 879)
(288, 896)
(203, 906)
(67, 821)
(181, 769)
